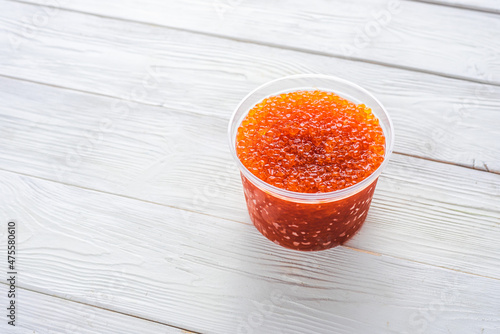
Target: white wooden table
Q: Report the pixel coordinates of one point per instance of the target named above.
(131, 218)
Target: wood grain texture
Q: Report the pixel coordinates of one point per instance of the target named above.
(435, 117)
(416, 35)
(426, 261)
(38, 313)
(220, 276)
(423, 210)
(489, 6)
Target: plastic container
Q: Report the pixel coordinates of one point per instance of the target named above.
(309, 221)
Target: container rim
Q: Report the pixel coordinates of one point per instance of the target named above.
(310, 197)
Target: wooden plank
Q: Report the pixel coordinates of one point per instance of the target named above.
(40, 313)
(220, 276)
(490, 6)
(440, 39)
(435, 117)
(427, 210)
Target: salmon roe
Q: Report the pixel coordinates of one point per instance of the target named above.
(310, 141)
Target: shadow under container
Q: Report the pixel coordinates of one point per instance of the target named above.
(309, 221)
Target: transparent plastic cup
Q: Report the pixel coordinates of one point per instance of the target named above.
(309, 221)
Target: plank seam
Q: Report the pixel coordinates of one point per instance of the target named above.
(459, 6)
(473, 167)
(420, 262)
(275, 45)
(185, 111)
(236, 221)
(103, 308)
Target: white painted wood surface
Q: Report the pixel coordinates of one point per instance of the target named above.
(441, 39)
(174, 163)
(43, 314)
(444, 119)
(488, 6)
(214, 275)
(114, 163)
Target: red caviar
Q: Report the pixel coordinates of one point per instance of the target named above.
(309, 142)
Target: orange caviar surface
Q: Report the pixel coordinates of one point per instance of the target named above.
(310, 141)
